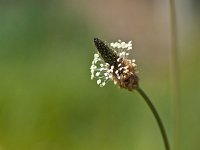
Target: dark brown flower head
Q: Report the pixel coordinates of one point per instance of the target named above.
(108, 55)
(112, 63)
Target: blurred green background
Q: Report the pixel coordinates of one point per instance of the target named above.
(47, 100)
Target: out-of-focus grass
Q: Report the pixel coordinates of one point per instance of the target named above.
(47, 100)
(190, 85)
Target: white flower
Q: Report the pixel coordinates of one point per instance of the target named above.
(100, 70)
(99, 81)
(104, 72)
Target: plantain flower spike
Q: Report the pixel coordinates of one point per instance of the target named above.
(111, 62)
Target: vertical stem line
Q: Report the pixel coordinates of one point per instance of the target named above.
(157, 117)
(175, 76)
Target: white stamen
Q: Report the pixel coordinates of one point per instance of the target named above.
(122, 54)
(126, 67)
(103, 84)
(129, 48)
(134, 65)
(92, 76)
(123, 45)
(118, 45)
(118, 59)
(126, 71)
(97, 74)
(101, 69)
(105, 74)
(98, 81)
(96, 55)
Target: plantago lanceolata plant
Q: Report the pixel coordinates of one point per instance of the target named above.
(111, 62)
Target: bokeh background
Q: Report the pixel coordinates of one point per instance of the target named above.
(47, 100)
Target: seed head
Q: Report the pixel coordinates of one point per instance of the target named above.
(111, 63)
(108, 54)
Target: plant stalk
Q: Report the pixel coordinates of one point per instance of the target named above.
(157, 117)
(175, 86)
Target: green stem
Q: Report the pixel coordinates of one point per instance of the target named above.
(157, 117)
(175, 85)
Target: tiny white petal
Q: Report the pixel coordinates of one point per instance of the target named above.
(103, 84)
(129, 48)
(126, 71)
(130, 44)
(134, 65)
(92, 76)
(118, 45)
(118, 59)
(96, 55)
(101, 65)
(126, 67)
(122, 54)
(98, 81)
(123, 44)
(97, 74)
(93, 67)
(96, 60)
(111, 44)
